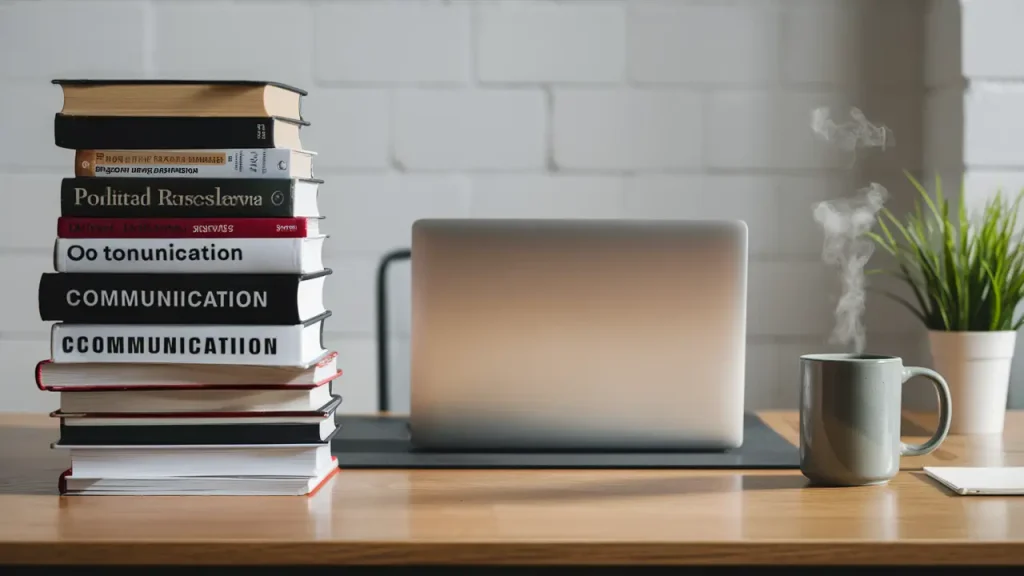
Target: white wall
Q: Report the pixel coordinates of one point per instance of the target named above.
(975, 106)
(640, 108)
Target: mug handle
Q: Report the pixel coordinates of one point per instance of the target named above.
(945, 412)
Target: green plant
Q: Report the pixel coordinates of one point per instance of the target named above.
(964, 276)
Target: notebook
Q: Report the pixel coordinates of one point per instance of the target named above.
(980, 481)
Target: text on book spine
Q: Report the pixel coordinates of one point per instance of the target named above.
(166, 197)
(167, 298)
(168, 345)
(78, 253)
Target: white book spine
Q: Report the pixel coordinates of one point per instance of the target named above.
(180, 256)
(244, 163)
(177, 344)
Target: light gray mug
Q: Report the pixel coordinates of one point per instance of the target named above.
(850, 414)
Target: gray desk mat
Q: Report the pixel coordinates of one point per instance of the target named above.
(383, 442)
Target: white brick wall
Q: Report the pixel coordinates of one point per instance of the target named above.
(225, 40)
(626, 129)
(469, 129)
(548, 42)
(703, 44)
(385, 41)
(353, 128)
(589, 109)
(749, 198)
(975, 105)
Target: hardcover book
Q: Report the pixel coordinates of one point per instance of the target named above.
(190, 255)
(183, 400)
(252, 163)
(143, 429)
(70, 227)
(126, 461)
(227, 484)
(240, 299)
(180, 97)
(189, 198)
(114, 377)
(175, 133)
(261, 345)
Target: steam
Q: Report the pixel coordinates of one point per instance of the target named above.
(848, 136)
(846, 220)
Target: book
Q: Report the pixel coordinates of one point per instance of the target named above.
(250, 163)
(99, 376)
(70, 227)
(155, 97)
(239, 299)
(117, 461)
(183, 400)
(190, 255)
(221, 428)
(187, 298)
(189, 198)
(264, 345)
(175, 133)
(275, 485)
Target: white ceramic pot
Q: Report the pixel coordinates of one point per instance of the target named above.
(976, 365)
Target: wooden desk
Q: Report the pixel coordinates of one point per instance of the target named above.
(520, 517)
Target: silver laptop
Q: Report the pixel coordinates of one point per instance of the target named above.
(578, 334)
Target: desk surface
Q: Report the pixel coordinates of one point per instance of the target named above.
(523, 516)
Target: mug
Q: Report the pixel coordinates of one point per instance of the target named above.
(850, 413)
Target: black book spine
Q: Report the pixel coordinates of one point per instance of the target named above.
(162, 133)
(177, 198)
(239, 299)
(189, 435)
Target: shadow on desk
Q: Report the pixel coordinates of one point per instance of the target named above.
(617, 487)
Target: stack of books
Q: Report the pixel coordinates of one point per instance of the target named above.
(188, 293)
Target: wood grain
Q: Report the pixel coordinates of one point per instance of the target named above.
(521, 516)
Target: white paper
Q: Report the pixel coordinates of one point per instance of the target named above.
(994, 481)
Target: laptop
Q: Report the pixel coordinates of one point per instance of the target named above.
(577, 335)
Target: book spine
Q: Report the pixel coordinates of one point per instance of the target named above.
(190, 435)
(242, 299)
(177, 198)
(182, 227)
(249, 163)
(212, 344)
(179, 256)
(62, 482)
(162, 133)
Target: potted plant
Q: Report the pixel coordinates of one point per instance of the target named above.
(966, 279)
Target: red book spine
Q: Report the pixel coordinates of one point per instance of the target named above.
(62, 482)
(68, 227)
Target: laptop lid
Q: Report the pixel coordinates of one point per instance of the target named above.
(578, 334)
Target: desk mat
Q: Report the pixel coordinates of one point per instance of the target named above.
(383, 442)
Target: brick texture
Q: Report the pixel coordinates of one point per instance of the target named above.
(41, 41)
(627, 129)
(239, 40)
(577, 42)
(352, 129)
(740, 197)
(535, 108)
(990, 41)
(974, 105)
(392, 41)
(671, 43)
(374, 213)
(469, 129)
